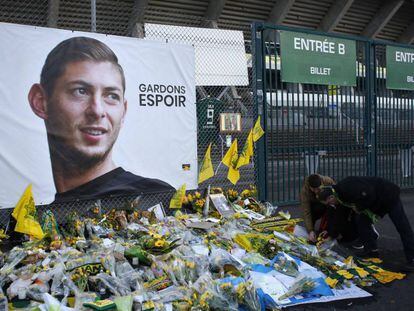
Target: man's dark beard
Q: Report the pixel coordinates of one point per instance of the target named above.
(72, 161)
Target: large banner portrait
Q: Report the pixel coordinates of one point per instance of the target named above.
(87, 115)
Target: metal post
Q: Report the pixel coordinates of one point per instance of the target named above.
(260, 100)
(406, 160)
(93, 15)
(370, 109)
(53, 13)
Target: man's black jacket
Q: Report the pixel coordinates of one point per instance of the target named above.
(373, 193)
(341, 221)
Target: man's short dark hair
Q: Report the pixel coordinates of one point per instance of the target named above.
(73, 50)
(325, 193)
(315, 181)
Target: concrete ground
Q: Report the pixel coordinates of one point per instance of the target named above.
(398, 295)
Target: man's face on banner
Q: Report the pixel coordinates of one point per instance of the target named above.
(86, 110)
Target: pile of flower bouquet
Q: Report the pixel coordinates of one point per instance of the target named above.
(127, 259)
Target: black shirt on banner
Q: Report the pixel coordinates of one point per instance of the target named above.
(114, 183)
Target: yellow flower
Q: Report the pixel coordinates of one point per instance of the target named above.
(190, 264)
(159, 243)
(225, 285)
(199, 203)
(239, 215)
(180, 216)
(190, 198)
(232, 192)
(241, 291)
(197, 195)
(245, 194)
(3, 235)
(149, 305)
(185, 200)
(203, 299)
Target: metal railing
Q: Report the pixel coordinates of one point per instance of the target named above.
(337, 131)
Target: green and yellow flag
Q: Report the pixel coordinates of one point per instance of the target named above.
(247, 151)
(228, 157)
(206, 170)
(177, 199)
(333, 89)
(257, 130)
(230, 160)
(233, 175)
(25, 215)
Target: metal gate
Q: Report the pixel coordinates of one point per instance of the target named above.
(312, 128)
(394, 125)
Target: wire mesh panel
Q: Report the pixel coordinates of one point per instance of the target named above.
(24, 12)
(214, 100)
(118, 18)
(310, 128)
(394, 116)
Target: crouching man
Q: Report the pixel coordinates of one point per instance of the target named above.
(311, 206)
(372, 198)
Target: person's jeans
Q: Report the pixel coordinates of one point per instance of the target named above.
(366, 232)
(402, 224)
(397, 214)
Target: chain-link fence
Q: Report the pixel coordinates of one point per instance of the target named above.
(126, 18)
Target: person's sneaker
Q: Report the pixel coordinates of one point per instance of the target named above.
(367, 253)
(375, 231)
(357, 244)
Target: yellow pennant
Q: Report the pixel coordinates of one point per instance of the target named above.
(229, 156)
(257, 130)
(25, 215)
(206, 170)
(247, 151)
(230, 160)
(233, 175)
(177, 199)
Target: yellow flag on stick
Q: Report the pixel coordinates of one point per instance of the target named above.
(247, 151)
(229, 156)
(206, 170)
(233, 175)
(177, 199)
(25, 215)
(257, 130)
(230, 160)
